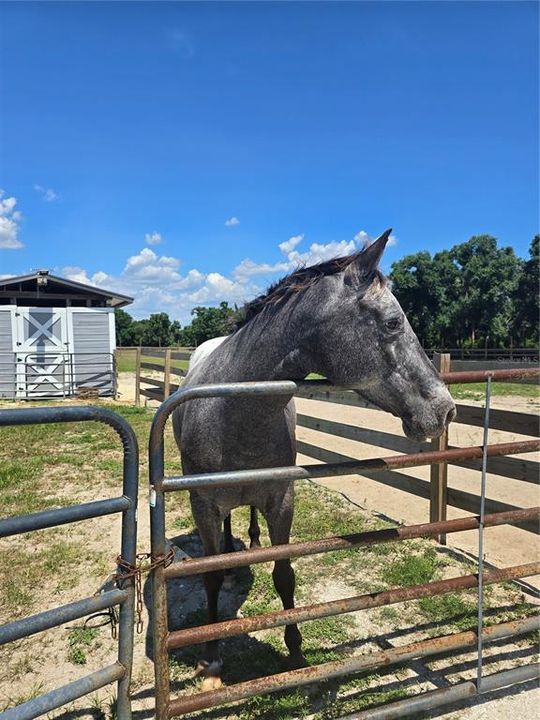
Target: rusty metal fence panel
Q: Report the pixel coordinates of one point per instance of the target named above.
(123, 595)
(164, 641)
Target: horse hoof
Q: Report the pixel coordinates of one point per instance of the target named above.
(211, 683)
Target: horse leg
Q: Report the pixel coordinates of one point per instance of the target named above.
(208, 524)
(228, 546)
(279, 520)
(254, 529)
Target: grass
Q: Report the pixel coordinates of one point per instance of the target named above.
(477, 391)
(126, 361)
(80, 640)
(411, 569)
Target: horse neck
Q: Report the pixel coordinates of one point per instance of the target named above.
(261, 350)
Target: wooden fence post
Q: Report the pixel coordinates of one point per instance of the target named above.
(439, 472)
(167, 374)
(138, 377)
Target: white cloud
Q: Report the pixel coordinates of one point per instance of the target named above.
(48, 194)
(288, 245)
(153, 238)
(9, 223)
(232, 221)
(76, 274)
(247, 268)
(149, 267)
(320, 252)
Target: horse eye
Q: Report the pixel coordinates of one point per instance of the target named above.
(393, 324)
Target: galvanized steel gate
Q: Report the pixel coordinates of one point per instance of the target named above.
(165, 641)
(124, 594)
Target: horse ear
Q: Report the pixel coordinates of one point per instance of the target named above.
(366, 262)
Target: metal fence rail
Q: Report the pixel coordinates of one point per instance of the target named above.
(123, 596)
(165, 641)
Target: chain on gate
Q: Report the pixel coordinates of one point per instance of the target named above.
(142, 567)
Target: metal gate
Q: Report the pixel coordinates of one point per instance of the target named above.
(123, 595)
(165, 641)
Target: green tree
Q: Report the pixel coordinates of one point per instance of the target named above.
(207, 323)
(126, 329)
(526, 298)
(156, 332)
(489, 277)
(462, 295)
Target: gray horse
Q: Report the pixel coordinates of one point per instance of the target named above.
(338, 318)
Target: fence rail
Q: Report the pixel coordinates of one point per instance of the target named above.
(160, 388)
(165, 641)
(436, 490)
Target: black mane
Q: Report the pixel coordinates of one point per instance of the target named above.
(297, 281)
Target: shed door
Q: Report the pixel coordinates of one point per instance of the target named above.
(42, 352)
(93, 338)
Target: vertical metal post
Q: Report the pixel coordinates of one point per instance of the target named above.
(128, 553)
(114, 374)
(138, 376)
(439, 471)
(167, 374)
(481, 535)
(159, 583)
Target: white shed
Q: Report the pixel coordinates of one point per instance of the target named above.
(57, 337)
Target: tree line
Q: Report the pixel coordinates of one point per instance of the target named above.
(473, 295)
(159, 331)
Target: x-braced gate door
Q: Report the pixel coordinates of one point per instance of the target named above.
(41, 347)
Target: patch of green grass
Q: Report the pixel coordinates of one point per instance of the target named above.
(262, 595)
(29, 571)
(370, 698)
(310, 523)
(449, 608)
(126, 361)
(389, 614)
(278, 706)
(330, 630)
(79, 640)
(411, 569)
(477, 391)
(183, 523)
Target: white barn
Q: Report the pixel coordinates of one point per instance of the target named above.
(57, 337)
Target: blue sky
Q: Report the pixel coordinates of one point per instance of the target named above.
(168, 150)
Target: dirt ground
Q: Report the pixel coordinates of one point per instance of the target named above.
(504, 546)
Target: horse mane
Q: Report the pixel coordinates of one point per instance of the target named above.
(296, 282)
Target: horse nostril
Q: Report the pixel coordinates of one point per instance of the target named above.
(450, 415)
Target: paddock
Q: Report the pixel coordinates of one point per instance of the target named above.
(467, 638)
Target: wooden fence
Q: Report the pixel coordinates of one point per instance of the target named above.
(436, 490)
(170, 363)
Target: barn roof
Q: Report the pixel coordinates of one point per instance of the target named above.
(41, 284)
